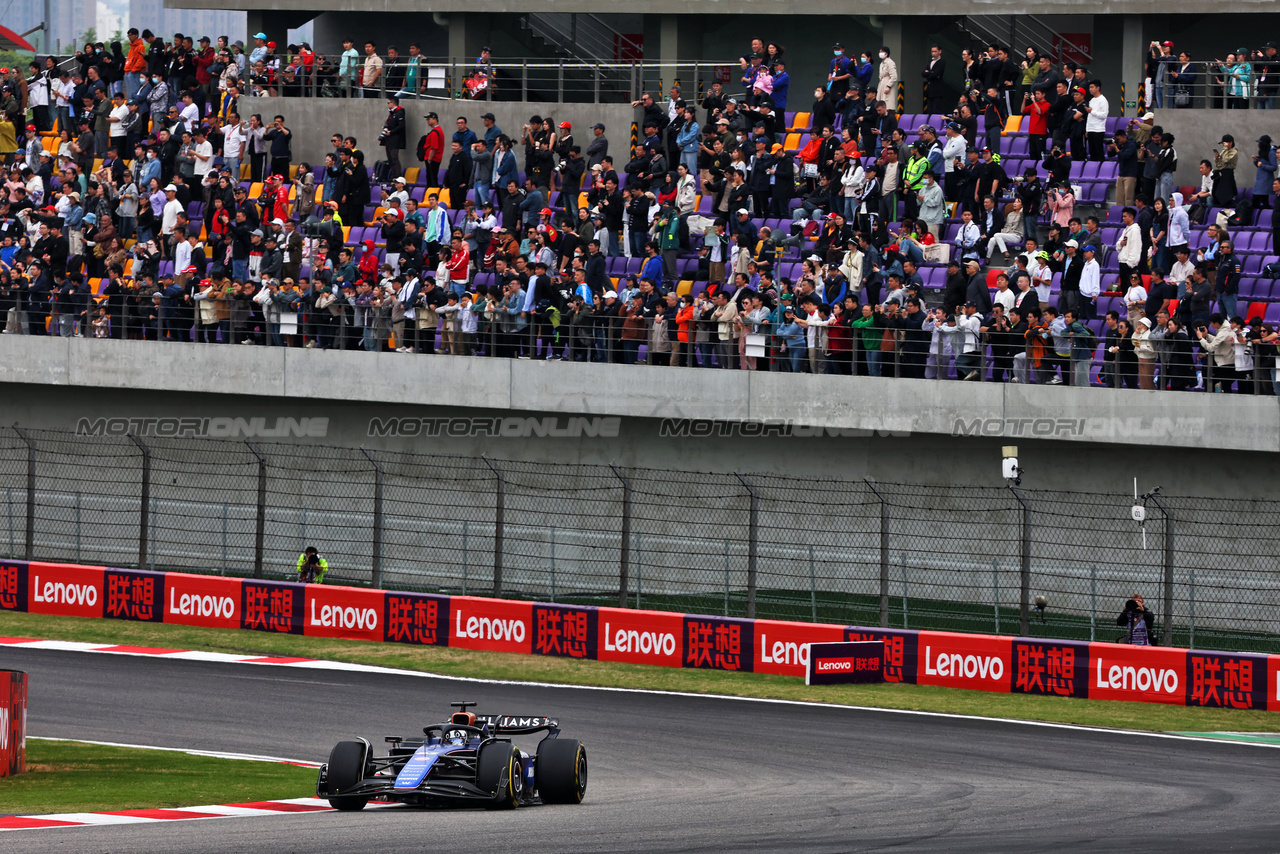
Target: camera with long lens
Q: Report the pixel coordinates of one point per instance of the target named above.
(319, 229)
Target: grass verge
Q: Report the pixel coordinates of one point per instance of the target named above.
(493, 665)
(70, 776)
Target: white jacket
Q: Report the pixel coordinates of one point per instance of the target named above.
(1090, 279)
(1129, 245)
(852, 179)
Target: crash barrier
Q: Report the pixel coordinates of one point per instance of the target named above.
(13, 722)
(1019, 665)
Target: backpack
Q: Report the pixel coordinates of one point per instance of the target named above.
(382, 172)
(1243, 215)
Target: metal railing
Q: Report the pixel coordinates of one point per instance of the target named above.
(964, 558)
(1216, 85)
(513, 79)
(608, 337)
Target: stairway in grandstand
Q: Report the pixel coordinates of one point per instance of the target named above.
(1022, 31)
(580, 54)
(583, 38)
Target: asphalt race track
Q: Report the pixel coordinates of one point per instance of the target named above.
(668, 774)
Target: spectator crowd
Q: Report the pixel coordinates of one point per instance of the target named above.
(148, 196)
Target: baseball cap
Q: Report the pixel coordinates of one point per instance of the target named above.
(401, 180)
(490, 116)
(1073, 244)
(1148, 116)
(565, 125)
(743, 212)
(610, 294)
(262, 36)
(171, 188)
(597, 126)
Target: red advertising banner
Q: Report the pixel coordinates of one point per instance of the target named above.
(202, 600)
(783, 647)
(640, 637)
(978, 662)
(1047, 667)
(13, 722)
(497, 625)
(343, 612)
(65, 589)
(1145, 674)
(421, 618)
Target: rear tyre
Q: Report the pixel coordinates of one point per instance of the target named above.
(346, 770)
(499, 760)
(562, 771)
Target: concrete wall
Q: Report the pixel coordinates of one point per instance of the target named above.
(314, 120)
(892, 430)
(1198, 132)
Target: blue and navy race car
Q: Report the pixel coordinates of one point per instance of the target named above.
(470, 759)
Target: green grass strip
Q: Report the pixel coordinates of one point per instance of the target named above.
(71, 776)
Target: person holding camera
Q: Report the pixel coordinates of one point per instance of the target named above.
(1139, 622)
(311, 566)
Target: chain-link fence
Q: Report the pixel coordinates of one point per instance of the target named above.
(960, 558)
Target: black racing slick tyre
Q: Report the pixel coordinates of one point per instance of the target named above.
(346, 769)
(562, 771)
(500, 770)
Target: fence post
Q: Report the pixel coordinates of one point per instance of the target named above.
(31, 491)
(753, 542)
(1024, 615)
(624, 570)
(884, 553)
(499, 512)
(377, 515)
(145, 520)
(260, 532)
(1168, 568)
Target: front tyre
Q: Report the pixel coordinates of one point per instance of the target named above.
(562, 771)
(500, 770)
(346, 770)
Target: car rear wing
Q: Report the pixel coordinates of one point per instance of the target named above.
(517, 724)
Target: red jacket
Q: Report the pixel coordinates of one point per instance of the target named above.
(203, 60)
(458, 264)
(1039, 112)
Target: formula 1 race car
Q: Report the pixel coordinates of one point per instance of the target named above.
(468, 760)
